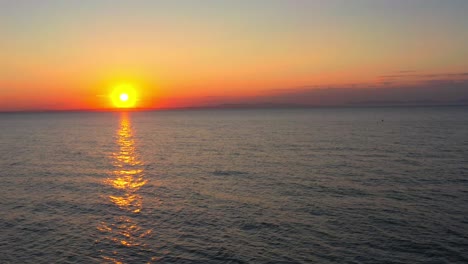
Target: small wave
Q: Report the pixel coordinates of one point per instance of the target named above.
(228, 173)
(259, 225)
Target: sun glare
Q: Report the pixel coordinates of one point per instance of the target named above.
(124, 96)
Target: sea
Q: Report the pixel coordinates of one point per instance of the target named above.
(319, 185)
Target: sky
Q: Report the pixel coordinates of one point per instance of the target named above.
(58, 55)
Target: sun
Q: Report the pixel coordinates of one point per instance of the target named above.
(124, 96)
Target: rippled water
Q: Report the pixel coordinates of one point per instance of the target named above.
(350, 185)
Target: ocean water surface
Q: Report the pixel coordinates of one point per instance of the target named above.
(325, 185)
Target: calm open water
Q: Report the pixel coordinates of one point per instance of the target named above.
(329, 185)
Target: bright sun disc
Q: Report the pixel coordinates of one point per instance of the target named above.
(124, 96)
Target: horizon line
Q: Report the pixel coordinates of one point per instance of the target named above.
(244, 106)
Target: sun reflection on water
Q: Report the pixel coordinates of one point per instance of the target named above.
(126, 179)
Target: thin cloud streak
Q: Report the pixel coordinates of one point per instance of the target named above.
(425, 76)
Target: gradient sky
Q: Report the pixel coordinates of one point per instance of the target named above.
(69, 54)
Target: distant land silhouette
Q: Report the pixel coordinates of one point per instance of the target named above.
(356, 104)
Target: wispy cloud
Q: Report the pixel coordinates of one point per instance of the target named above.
(423, 76)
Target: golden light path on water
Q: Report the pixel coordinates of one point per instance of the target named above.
(126, 179)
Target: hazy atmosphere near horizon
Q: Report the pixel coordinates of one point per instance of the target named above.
(59, 55)
(255, 131)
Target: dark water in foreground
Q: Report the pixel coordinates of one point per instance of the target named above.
(263, 186)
